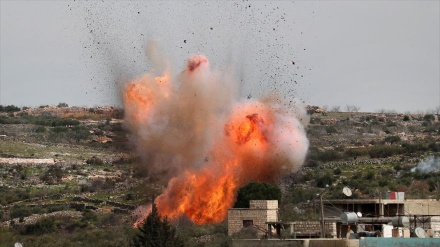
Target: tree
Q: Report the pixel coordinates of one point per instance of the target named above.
(156, 232)
(331, 130)
(352, 108)
(53, 175)
(256, 191)
(9, 108)
(335, 108)
(62, 104)
(429, 118)
(329, 155)
(324, 180)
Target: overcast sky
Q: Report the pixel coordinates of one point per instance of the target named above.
(372, 54)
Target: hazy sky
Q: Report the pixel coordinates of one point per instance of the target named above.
(372, 54)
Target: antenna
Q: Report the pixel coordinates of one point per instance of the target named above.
(347, 191)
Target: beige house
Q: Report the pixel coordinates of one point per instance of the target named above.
(259, 212)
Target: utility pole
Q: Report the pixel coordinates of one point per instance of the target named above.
(322, 217)
(322, 210)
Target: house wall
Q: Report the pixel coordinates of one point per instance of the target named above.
(260, 212)
(422, 206)
(263, 204)
(313, 228)
(386, 207)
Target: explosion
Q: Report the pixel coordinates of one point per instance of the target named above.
(193, 129)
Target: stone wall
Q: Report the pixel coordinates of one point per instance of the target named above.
(422, 206)
(263, 204)
(313, 228)
(259, 212)
(434, 224)
(36, 217)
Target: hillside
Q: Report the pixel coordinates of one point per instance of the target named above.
(70, 172)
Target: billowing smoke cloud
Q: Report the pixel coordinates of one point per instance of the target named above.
(430, 164)
(193, 129)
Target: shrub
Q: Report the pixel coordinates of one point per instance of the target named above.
(329, 155)
(64, 122)
(413, 148)
(20, 211)
(60, 129)
(324, 180)
(94, 161)
(354, 152)
(256, 191)
(46, 225)
(383, 182)
(369, 175)
(391, 124)
(129, 197)
(331, 129)
(397, 167)
(432, 128)
(392, 139)
(406, 118)
(40, 129)
(434, 147)
(116, 127)
(428, 118)
(79, 133)
(383, 151)
(300, 194)
(426, 123)
(246, 233)
(53, 175)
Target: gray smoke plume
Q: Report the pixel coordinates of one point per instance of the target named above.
(431, 164)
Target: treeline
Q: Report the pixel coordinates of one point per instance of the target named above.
(9, 108)
(13, 108)
(376, 151)
(44, 120)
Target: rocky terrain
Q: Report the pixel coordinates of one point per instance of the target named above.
(69, 171)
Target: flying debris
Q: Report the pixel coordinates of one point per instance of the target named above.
(192, 128)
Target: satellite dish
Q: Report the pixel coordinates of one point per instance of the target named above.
(18, 244)
(420, 233)
(359, 214)
(346, 191)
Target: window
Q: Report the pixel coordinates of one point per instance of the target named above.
(247, 223)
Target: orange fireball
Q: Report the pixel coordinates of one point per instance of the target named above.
(193, 131)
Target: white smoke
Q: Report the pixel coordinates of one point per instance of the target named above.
(431, 164)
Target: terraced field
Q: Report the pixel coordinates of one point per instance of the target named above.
(79, 184)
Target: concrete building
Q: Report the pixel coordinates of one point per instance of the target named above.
(263, 215)
(372, 217)
(259, 212)
(378, 212)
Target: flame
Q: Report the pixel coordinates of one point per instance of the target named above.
(202, 196)
(140, 214)
(141, 96)
(209, 143)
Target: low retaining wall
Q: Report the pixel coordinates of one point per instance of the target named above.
(399, 242)
(296, 243)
